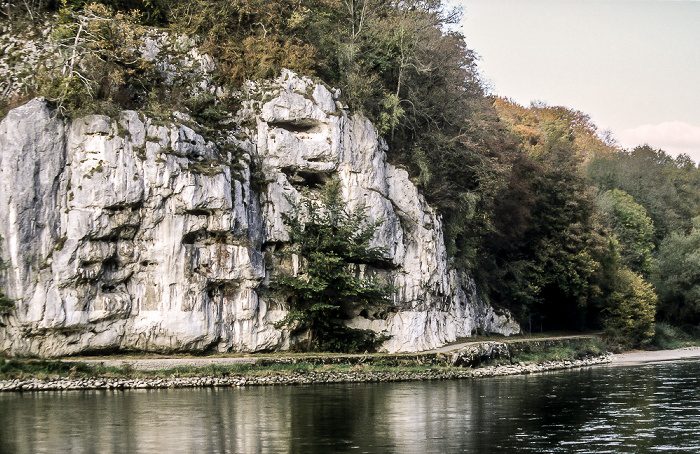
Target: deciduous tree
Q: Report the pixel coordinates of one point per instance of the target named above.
(633, 228)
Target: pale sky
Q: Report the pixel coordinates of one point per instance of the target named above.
(632, 65)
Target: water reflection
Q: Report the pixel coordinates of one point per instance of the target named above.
(642, 409)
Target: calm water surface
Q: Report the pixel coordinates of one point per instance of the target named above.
(651, 408)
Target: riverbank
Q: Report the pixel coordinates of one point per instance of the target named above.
(353, 374)
(222, 376)
(467, 360)
(223, 373)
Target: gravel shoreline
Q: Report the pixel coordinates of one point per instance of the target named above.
(64, 383)
(316, 377)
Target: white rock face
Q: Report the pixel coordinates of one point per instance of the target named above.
(126, 234)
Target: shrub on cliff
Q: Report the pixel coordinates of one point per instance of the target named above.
(6, 304)
(99, 66)
(330, 240)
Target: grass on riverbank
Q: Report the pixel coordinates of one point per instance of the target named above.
(558, 354)
(538, 353)
(669, 337)
(22, 369)
(42, 369)
(525, 352)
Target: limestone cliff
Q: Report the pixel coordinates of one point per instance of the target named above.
(130, 233)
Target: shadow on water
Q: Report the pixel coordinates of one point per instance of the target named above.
(602, 409)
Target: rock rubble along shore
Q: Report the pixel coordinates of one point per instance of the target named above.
(61, 384)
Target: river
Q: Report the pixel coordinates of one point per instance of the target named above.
(645, 408)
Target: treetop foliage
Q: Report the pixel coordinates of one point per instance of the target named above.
(533, 125)
(632, 227)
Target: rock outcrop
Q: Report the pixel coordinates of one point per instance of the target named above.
(129, 233)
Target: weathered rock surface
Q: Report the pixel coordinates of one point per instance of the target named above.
(126, 233)
(473, 355)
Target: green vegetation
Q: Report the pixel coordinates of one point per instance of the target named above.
(46, 369)
(659, 230)
(6, 304)
(43, 369)
(330, 241)
(538, 355)
(99, 68)
(668, 337)
(631, 226)
(676, 277)
(631, 307)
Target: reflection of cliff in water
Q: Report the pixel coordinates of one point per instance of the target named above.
(640, 409)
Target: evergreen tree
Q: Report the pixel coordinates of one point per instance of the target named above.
(330, 240)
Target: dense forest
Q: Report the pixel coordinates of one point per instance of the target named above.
(557, 223)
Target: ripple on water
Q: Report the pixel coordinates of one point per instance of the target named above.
(617, 409)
